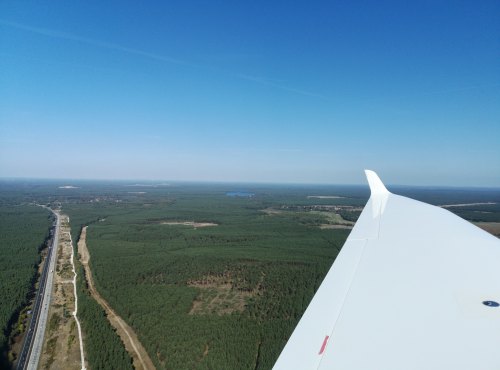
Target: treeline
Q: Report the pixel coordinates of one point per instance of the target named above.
(349, 215)
(478, 213)
(102, 345)
(24, 231)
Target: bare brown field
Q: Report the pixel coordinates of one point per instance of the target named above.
(491, 227)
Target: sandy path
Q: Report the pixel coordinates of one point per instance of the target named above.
(132, 344)
(75, 312)
(60, 349)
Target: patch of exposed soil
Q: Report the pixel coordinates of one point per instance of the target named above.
(491, 227)
(132, 344)
(190, 223)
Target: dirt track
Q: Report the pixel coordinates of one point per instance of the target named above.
(61, 343)
(129, 338)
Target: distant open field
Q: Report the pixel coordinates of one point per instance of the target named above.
(491, 227)
(210, 280)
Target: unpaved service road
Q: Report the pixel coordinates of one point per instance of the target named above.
(132, 345)
(63, 347)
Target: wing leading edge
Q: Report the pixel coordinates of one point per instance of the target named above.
(405, 292)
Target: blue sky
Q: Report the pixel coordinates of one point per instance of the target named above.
(257, 91)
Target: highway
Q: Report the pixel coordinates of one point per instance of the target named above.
(33, 341)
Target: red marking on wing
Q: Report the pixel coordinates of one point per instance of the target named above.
(323, 346)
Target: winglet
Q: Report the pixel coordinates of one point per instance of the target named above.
(376, 185)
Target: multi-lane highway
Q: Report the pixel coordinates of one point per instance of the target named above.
(33, 341)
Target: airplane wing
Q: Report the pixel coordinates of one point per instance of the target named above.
(414, 287)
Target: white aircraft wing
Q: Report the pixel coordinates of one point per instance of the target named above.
(414, 287)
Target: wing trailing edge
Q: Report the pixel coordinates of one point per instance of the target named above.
(411, 289)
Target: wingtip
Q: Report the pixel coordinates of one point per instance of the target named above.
(376, 185)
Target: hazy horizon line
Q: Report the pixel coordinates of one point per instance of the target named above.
(165, 183)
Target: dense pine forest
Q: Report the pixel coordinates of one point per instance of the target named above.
(224, 296)
(208, 276)
(23, 232)
(103, 347)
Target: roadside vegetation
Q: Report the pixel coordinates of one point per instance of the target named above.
(24, 230)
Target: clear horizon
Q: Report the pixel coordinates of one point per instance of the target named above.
(251, 92)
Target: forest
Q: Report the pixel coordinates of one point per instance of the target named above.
(207, 280)
(23, 232)
(251, 276)
(103, 348)
(225, 296)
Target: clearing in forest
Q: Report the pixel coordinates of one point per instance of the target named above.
(324, 219)
(189, 223)
(219, 296)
